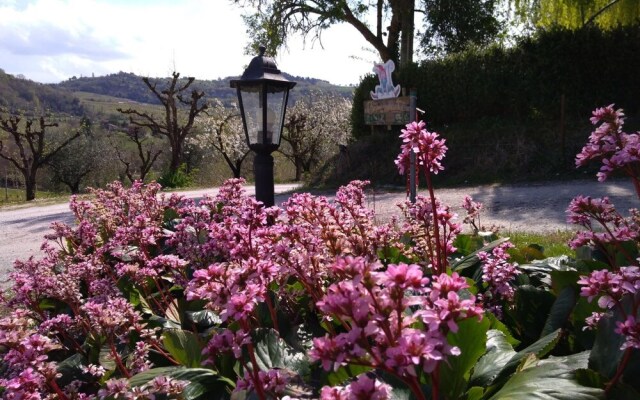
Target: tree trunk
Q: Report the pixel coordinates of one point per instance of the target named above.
(75, 187)
(236, 170)
(176, 159)
(406, 41)
(30, 187)
(298, 164)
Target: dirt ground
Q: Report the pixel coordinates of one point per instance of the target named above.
(538, 207)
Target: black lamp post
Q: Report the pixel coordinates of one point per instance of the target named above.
(262, 94)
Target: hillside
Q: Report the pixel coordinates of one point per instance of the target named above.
(130, 86)
(18, 94)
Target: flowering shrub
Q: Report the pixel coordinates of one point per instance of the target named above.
(615, 279)
(148, 295)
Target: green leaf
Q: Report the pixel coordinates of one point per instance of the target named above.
(273, 352)
(497, 324)
(562, 279)
(467, 244)
(470, 338)
(561, 310)
(540, 349)
(173, 312)
(532, 305)
(606, 354)
(498, 354)
(203, 318)
(344, 373)
(164, 323)
(201, 381)
(475, 393)
(105, 359)
(552, 379)
(183, 346)
(70, 369)
(472, 259)
(169, 215)
(501, 360)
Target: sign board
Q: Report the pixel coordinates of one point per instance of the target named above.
(393, 111)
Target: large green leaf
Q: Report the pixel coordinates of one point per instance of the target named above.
(201, 381)
(561, 310)
(528, 317)
(499, 325)
(540, 349)
(184, 346)
(273, 352)
(202, 318)
(106, 359)
(501, 360)
(344, 373)
(498, 354)
(70, 369)
(551, 379)
(472, 259)
(606, 354)
(455, 373)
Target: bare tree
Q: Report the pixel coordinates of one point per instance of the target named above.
(222, 129)
(147, 157)
(314, 128)
(72, 164)
(33, 150)
(175, 125)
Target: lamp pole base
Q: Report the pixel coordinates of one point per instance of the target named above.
(263, 172)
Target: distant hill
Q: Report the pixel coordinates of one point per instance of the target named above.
(130, 86)
(80, 96)
(19, 94)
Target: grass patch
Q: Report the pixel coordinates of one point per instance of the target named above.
(553, 244)
(13, 197)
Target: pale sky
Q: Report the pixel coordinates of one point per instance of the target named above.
(52, 40)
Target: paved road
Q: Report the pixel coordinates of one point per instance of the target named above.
(536, 207)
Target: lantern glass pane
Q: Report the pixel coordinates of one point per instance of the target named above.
(252, 105)
(275, 113)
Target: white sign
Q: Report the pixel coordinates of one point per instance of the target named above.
(385, 90)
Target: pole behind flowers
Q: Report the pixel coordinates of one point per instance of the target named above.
(428, 151)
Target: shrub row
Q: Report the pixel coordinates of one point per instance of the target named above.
(589, 67)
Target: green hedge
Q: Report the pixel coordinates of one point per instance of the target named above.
(590, 67)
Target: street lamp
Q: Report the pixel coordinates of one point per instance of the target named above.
(262, 94)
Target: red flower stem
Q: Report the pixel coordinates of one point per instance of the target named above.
(56, 389)
(254, 363)
(118, 361)
(165, 354)
(435, 383)
(436, 230)
(414, 385)
(621, 367)
(272, 312)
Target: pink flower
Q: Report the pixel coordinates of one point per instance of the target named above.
(428, 148)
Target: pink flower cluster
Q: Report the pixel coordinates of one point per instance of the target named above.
(135, 254)
(419, 225)
(363, 388)
(160, 385)
(602, 222)
(429, 150)
(499, 275)
(473, 210)
(393, 319)
(616, 149)
(611, 288)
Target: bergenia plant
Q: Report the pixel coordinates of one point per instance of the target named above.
(148, 296)
(614, 236)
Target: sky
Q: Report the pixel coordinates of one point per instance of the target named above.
(50, 41)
